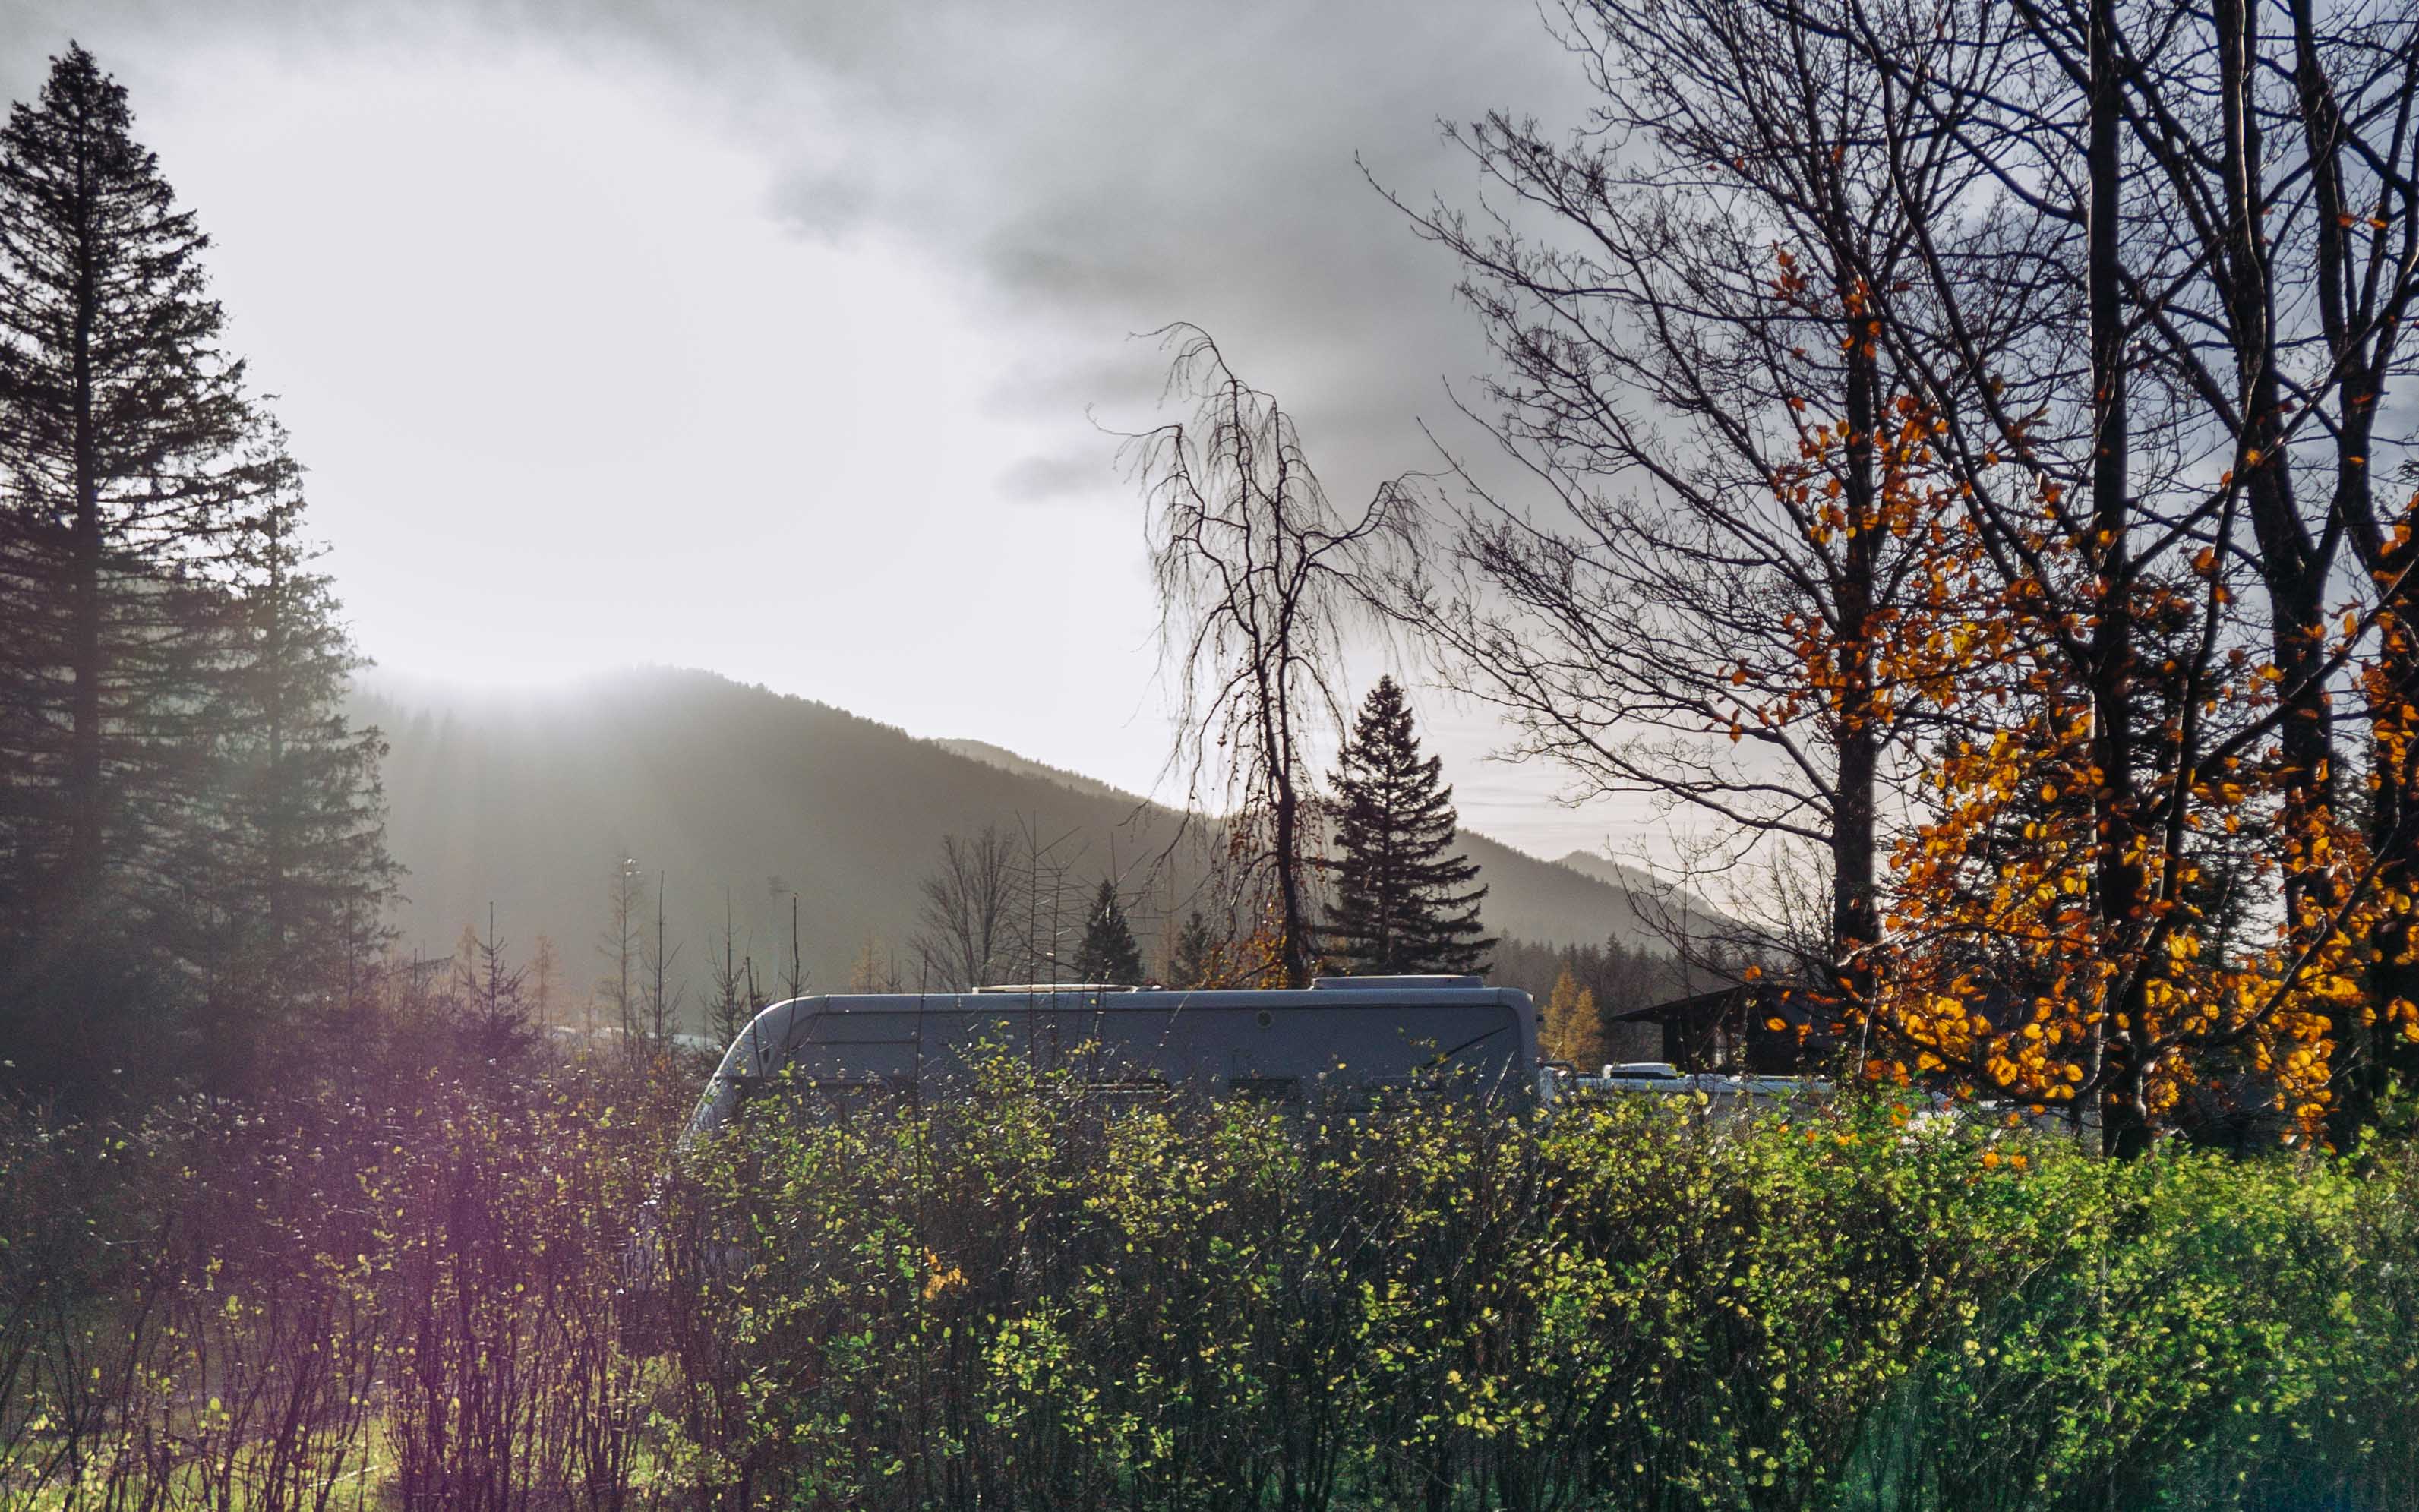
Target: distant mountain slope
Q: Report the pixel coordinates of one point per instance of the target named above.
(1546, 905)
(527, 799)
(1669, 904)
(1009, 761)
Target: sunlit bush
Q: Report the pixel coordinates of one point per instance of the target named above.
(485, 1288)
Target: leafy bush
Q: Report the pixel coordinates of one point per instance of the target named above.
(490, 1289)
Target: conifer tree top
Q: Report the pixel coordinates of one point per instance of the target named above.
(100, 260)
(1108, 953)
(1405, 903)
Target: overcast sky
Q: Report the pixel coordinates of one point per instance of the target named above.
(779, 337)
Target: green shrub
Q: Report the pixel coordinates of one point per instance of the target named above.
(499, 1289)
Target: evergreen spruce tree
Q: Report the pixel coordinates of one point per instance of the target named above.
(122, 439)
(618, 991)
(1403, 903)
(1194, 960)
(299, 872)
(731, 984)
(1108, 953)
(490, 1006)
(185, 822)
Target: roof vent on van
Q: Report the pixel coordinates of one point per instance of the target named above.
(1392, 984)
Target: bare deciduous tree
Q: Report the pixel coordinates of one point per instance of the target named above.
(2132, 268)
(1257, 574)
(794, 976)
(1679, 297)
(1046, 907)
(546, 968)
(658, 958)
(619, 944)
(967, 912)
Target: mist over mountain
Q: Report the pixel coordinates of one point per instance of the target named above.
(527, 799)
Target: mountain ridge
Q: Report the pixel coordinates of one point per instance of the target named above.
(730, 790)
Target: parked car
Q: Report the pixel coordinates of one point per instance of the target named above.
(1662, 1077)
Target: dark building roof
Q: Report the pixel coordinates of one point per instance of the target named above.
(1749, 1027)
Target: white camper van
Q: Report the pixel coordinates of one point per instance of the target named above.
(1345, 1032)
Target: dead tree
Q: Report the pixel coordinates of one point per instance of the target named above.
(1257, 574)
(619, 942)
(658, 958)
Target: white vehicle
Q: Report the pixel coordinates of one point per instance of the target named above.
(1662, 1077)
(1640, 1077)
(1344, 1032)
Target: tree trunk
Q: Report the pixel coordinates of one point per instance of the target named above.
(2289, 563)
(2369, 1053)
(85, 807)
(2118, 870)
(1294, 947)
(1284, 806)
(1855, 809)
(2375, 1054)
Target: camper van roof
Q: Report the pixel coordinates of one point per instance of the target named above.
(1392, 984)
(1360, 1031)
(1033, 988)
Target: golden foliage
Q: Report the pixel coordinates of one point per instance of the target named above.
(1573, 1025)
(2054, 931)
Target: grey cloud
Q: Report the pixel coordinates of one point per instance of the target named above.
(1050, 479)
(1088, 168)
(1097, 168)
(1097, 370)
(827, 206)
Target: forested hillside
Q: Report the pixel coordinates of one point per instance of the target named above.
(528, 800)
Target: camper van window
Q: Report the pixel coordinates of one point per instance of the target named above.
(1265, 1088)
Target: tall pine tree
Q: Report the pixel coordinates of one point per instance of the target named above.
(185, 822)
(1403, 903)
(122, 447)
(1108, 953)
(299, 865)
